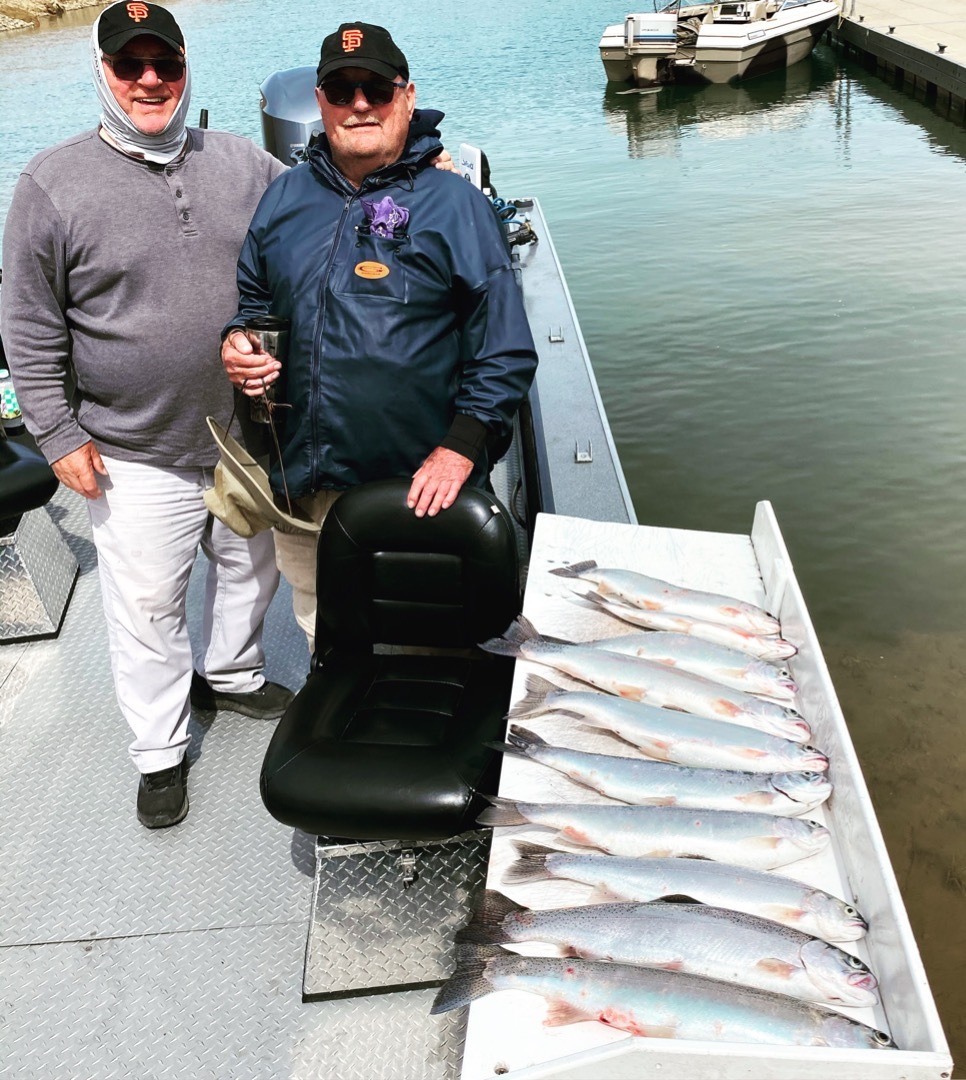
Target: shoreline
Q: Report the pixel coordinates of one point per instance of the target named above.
(31, 14)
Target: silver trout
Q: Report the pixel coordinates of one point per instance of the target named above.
(652, 1003)
(643, 782)
(715, 662)
(764, 647)
(761, 841)
(669, 735)
(641, 680)
(653, 594)
(771, 896)
(694, 938)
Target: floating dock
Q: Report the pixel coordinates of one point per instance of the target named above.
(919, 44)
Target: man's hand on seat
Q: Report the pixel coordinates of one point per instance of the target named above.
(437, 482)
(77, 470)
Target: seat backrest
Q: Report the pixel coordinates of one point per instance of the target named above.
(26, 480)
(388, 577)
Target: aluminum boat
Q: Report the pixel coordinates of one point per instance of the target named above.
(236, 947)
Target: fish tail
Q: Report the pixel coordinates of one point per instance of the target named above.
(486, 924)
(502, 812)
(575, 569)
(511, 642)
(531, 864)
(524, 740)
(467, 983)
(535, 700)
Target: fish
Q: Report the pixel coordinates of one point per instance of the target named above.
(650, 1002)
(716, 662)
(763, 647)
(641, 680)
(653, 594)
(643, 782)
(770, 896)
(761, 841)
(668, 735)
(693, 938)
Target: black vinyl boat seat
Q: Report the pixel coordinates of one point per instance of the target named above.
(27, 482)
(391, 745)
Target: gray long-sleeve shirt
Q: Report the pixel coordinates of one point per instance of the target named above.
(118, 275)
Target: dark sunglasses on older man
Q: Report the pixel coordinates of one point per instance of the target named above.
(131, 68)
(376, 91)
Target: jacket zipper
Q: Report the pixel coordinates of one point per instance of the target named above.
(316, 388)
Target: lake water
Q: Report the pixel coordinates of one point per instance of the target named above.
(769, 280)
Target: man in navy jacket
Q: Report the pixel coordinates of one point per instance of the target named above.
(409, 348)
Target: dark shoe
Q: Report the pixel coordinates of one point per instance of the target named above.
(163, 797)
(268, 702)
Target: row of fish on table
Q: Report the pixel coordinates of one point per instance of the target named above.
(688, 933)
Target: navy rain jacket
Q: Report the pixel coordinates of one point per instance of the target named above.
(379, 366)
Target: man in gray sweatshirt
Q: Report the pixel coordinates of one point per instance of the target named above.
(119, 272)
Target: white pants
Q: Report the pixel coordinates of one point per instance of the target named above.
(297, 554)
(148, 525)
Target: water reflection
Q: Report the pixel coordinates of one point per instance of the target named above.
(655, 122)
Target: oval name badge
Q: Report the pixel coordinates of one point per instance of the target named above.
(372, 270)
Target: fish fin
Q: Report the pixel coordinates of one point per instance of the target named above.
(531, 864)
(658, 800)
(575, 569)
(486, 923)
(704, 858)
(466, 984)
(671, 965)
(501, 812)
(676, 898)
(563, 1012)
(534, 701)
(777, 967)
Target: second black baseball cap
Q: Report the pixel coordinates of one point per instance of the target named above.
(121, 22)
(362, 45)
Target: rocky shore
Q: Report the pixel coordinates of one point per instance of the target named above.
(23, 14)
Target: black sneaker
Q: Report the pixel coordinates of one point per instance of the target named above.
(268, 702)
(163, 796)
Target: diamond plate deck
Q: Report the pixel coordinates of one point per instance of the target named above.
(179, 952)
(382, 926)
(37, 573)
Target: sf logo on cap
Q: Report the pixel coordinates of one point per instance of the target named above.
(351, 39)
(138, 11)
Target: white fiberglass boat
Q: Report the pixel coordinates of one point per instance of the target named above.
(715, 43)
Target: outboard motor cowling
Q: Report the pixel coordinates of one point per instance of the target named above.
(290, 113)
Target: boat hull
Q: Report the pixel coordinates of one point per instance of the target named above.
(723, 52)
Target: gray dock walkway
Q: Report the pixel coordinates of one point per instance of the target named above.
(921, 43)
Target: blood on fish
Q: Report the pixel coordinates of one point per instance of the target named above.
(576, 835)
(777, 967)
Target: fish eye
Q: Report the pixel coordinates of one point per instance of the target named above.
(810, 776)
(856, 964)
(783, 673)
(882, 1038)
(849, 910)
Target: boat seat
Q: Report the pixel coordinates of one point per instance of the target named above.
(383, 743)
(26, 482)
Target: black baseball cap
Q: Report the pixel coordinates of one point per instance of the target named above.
(362, 45)
(121, 22)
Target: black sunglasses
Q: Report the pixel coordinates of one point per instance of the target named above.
(131, 68)
(376, 91)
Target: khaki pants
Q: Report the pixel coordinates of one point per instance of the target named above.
(295, 556)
